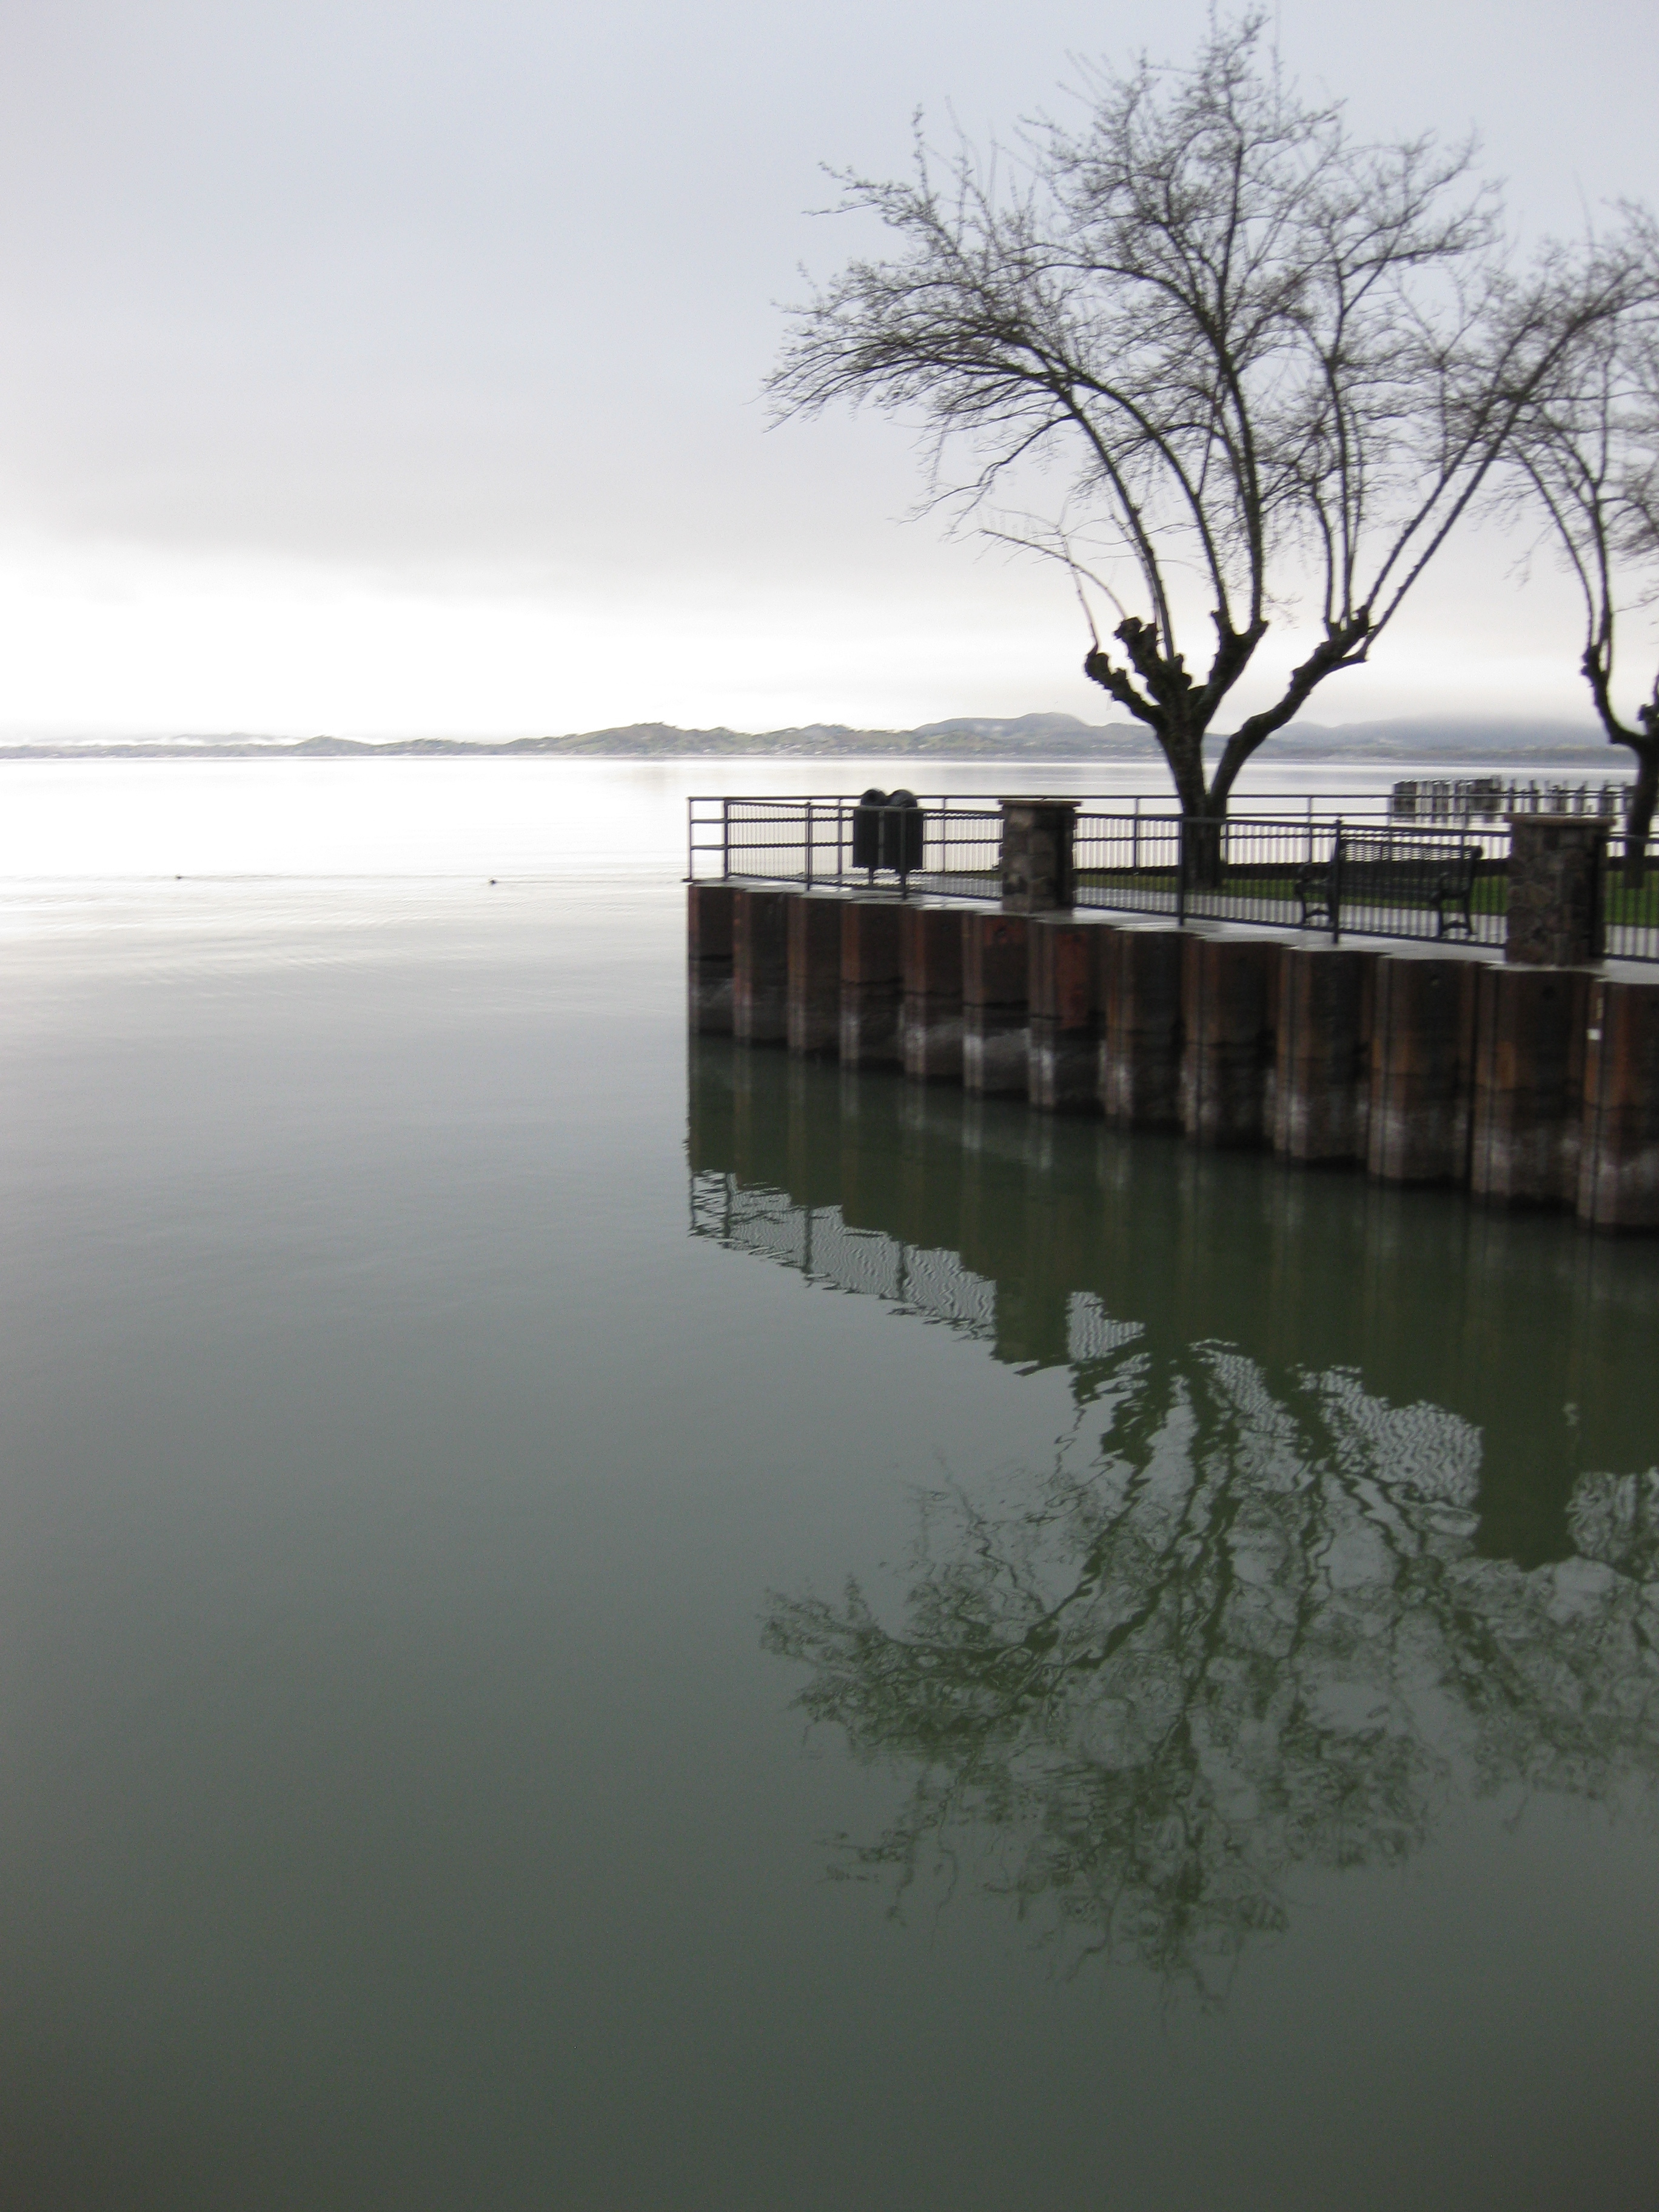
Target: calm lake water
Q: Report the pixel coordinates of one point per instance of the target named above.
(593, 1624)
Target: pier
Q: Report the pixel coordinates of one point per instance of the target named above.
(1490, 1045)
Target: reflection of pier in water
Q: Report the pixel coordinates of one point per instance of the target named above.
(1054, 1241)
(933, 1284)
(1257, 1611)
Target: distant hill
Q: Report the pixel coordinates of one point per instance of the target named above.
(961, 737)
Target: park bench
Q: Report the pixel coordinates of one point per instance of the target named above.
(1391, 871)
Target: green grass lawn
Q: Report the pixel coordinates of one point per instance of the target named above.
(1639, 906)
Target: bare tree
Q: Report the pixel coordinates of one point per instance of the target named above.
(1256, 355)
(1586, 452)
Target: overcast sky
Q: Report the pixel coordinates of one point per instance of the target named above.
(378, 369)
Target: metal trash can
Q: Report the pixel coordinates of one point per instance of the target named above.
(902, 834)
(867, 817)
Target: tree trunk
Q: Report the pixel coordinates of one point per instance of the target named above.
(1200, 815)
(1639, 820)
(1202, 834)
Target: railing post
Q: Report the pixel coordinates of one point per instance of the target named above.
(725, 838)
(1336, 885)
(1181, 876)
(809, 844)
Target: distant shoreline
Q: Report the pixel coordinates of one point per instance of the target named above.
(1590, 763)
(1025, 741)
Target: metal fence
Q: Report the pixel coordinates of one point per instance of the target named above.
(947, 847)
(810, 839)
(1332, 877)
(1631, 909)
(1326, 874)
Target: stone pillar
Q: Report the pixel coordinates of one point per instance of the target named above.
(1229, 987)
(760, 965)
(1557, 865)
(1619, 1164)
(869, 982)
(814, 998)
(1036, 855)
(1141, 1029)
(1422, 1069)
(1528, 1083)
(1321, 1093)
(995, 1007)
(930, 1015)
(1065, 987)
(708, 957)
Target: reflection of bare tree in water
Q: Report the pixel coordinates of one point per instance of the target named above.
(1252, 1635)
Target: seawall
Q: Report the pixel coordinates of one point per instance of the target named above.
(1523, 1085)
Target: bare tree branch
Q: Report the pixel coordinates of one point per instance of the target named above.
(1584, 456)
(1244, 344)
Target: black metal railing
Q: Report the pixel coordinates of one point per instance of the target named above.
(1299, 871)
(809, 838)
(1631, 909)
(1406, 884)
(1329, 876)
(945, 847)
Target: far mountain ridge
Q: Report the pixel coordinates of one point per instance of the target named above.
(1034, 738)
